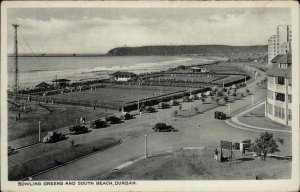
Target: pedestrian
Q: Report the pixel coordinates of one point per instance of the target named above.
(216, 154)
(83, 120)
(244, 150)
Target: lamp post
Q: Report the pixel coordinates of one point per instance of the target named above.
(146, 152)
(39, 131)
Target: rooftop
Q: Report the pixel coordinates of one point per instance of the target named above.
(282, 59)
(123, 73)
(61, 80)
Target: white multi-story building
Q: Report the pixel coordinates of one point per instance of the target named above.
(272, 47)
(279, 96)
(280, 43)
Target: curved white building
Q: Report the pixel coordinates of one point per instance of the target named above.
(279, 96)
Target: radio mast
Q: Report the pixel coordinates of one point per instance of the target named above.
(16, 85)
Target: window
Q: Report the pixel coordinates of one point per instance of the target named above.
(290, 81)
(280, 97)
(282, 65)
(270, 94)
(290, 114)
(290, 98)
(280, 80)
(279, 112)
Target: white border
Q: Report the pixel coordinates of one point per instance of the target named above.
(212, 185)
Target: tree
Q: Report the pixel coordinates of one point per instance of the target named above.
(219, 94)
(196, 109)
(175, 113)
(203, 100)
(247, 91)
(266, 144)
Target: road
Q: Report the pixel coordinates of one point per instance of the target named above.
(196, 131)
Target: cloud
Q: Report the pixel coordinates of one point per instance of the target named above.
(94, 33)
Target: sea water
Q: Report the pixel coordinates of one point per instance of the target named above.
(34, 70)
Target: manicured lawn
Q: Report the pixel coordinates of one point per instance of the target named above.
(200, 165)
(115, 96)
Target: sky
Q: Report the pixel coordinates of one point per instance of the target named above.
(97, 30)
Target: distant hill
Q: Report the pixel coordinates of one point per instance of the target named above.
(188, 49)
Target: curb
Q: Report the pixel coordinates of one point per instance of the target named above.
(243, 126)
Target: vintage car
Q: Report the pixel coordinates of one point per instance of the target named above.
(113, 119)
(126, 116)
(98, 124)
(53, 137)
(174, 103)
(77, 129)
(158, 127)
(149, 109)
(163, 105)
(220, 115)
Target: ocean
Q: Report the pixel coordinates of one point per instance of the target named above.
(34, 70)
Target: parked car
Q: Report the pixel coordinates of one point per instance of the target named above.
(220, 115)
(53, 137)
(163, 127)
(11, 150)
(98, 124)
(194, 97)
(77, 129)
(113, 119)
(126, 116)
(174, 103)
(163, 105)
(149, 109)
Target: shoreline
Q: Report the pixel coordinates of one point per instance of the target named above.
(101, 72)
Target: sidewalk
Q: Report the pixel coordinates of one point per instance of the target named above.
(235, 122)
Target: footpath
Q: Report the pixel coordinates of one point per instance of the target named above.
(235, 122)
